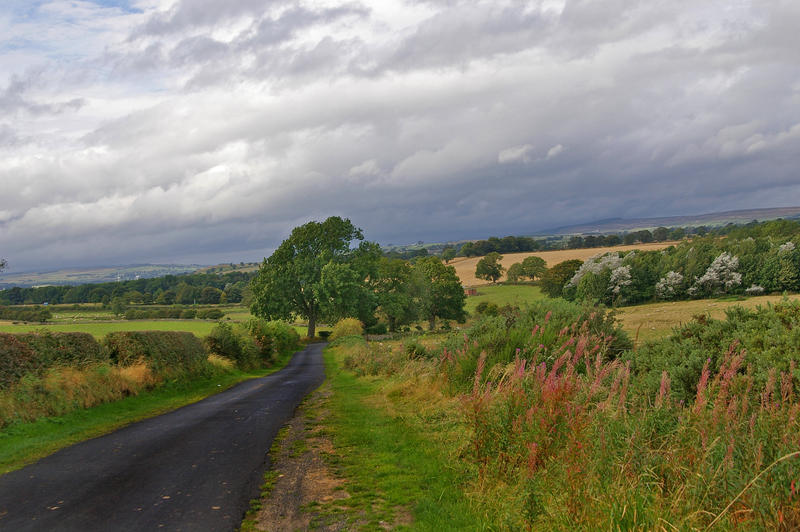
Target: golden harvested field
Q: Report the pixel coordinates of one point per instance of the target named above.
(656, 320)
(465, 267)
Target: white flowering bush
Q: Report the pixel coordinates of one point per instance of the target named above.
(669, 286)
(788, 247)
(596, 264)
(754, 290)
(620, 277)
(721, 276)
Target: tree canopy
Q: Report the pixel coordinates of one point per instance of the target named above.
(489, 267)
(438, 291)
(316, 273)
(555, 278)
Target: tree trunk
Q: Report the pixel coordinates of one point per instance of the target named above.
(312, 325)
(432, 322)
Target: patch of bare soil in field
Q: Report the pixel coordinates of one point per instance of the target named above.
(301, 479)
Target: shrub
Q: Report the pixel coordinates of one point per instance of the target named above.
(64, 348)
(234, 343)
(165, 352)
(414, 349)
(485, 308)
(538, 331)
(347, 327)
(16, 359)
(274, 338)
(378, 328)
(210, 314)
(35, 314)
(188, 314)
(60, 390)
(770, 336)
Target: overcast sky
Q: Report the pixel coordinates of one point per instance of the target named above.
(204, 130)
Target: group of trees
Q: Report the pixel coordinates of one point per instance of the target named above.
(490, 269)
(202, 288)
(326, 271)
(508, 244)
(703, 267)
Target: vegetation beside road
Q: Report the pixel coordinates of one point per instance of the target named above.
(48, 379)
(557, 423)
(24, 443)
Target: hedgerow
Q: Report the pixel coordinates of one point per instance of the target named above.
(234, 343)
(165, 352)
(274, 338)
(64, 348)
(16, 359)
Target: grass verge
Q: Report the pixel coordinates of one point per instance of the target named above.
(24, 443)
(393, 456)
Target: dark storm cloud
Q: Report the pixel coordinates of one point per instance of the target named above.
(209, 129)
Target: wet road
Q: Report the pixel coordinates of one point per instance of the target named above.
(195, 468)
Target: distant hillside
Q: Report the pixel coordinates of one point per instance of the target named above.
(93, 275)
(229, 267)
(716, 219)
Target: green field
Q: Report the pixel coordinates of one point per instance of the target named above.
(199, 328)
(99, 330)
(504, 294)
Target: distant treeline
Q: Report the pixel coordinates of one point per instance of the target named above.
(203, 288)
(519, 244)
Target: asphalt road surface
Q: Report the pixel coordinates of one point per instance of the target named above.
(194, 469)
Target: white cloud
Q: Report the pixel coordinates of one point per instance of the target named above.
(554, 151)
(201, 128)
(517, 154)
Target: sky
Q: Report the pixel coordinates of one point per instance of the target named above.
(202, 131)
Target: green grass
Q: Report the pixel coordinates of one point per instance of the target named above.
(390, 463)
(24, 443)
(199, 328)
(505, 294)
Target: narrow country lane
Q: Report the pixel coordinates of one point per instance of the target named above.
(193, 469)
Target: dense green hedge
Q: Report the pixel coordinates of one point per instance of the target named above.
(164, 351)
(274, 338)
(173, 313)
(37, 314)
(235, 343)
(64, 348)
(16, 359)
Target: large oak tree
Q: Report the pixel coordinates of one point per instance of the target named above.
(317, 273)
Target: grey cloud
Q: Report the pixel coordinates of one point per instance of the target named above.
(484, 118)
(14, 98)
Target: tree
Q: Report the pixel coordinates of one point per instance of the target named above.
(677, 233)
(3, 264)
(448, 254)
(489, 267)
(394, 293)
(210, 295)
(534, 267)
(345, 289)
(437, 291)
(555, 278)
(167, 297)
(185, 294)
(515, 272)
(290, 282)
(660, 234)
